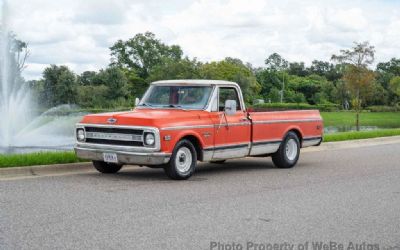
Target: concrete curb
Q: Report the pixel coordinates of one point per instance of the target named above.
(63, 169)
(43, 170)
(354, 144)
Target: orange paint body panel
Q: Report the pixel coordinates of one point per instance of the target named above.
(275, 125)
(218, 129)
(262, 126)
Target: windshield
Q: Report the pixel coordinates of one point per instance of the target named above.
(185, 97)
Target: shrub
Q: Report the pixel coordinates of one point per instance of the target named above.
(377, 108)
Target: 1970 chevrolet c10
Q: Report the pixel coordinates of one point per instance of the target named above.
(181, 122)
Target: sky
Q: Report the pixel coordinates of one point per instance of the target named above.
(79, 33)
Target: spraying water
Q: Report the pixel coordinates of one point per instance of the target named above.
(22, 129)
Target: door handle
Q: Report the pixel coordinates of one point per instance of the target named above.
(243, 119)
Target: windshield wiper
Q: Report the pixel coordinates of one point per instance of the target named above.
(174, 106)
(146, 104)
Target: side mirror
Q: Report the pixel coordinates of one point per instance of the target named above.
(137, 100)
(230, 107)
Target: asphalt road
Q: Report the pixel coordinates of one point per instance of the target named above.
(345, 196)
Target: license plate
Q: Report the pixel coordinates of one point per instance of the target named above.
(110, 157)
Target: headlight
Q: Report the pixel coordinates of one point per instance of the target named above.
(80, 134)
(149, 139)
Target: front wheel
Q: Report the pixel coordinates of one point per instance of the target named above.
(288, 152)
(183, 161)
(106, 168)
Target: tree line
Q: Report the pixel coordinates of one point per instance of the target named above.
(346, 80)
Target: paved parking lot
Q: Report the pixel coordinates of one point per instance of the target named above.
(344, 196)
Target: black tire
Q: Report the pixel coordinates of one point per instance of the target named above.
(218, 162)
(284, 157)
(182, 172)
(106, 168)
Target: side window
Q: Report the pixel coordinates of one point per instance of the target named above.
(228, 93)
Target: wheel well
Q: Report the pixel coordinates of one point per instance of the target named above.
(297, 132)
(196, 143)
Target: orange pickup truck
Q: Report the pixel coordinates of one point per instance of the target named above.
(180, 122)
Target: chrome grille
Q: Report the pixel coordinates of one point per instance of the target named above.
(114, 136)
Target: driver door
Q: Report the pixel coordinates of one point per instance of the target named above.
(232, 132)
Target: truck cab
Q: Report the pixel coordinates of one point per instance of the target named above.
(180, 122)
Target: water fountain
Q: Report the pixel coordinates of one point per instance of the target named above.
(21, 127)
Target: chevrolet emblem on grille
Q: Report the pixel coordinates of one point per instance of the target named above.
(111, 120)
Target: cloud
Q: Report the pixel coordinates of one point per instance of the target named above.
(79, 33)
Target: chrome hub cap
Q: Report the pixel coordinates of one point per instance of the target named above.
(183, 159)
(291, 149)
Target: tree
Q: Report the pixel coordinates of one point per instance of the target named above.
(86, 78)
(115, 79)
(171, 69)
(276, 63)
(142, 53)
(15, 54)
(330, 71)
(358, 78)
(92, 96)
(316, 89)
(395, 85)
(268, 80)
(59, 84)
(298, 69)
(386, 71)
(392, 67)
(233, 70)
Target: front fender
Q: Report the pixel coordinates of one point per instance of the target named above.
(176, 135)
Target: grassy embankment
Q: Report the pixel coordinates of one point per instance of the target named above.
(388, 120)
(381, 120)
(354, 135)
(40, 158)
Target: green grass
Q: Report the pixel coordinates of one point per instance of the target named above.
(354, 135)
(40, 158)
(381, 120)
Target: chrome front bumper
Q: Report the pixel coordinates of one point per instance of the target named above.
(95, 152)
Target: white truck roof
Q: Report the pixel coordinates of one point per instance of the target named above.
(194, 82)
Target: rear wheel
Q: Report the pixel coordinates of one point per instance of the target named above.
(183, 161)
(288, 152)
(106, 168)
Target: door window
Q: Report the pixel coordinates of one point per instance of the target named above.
(228, 93)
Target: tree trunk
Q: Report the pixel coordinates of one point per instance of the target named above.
(358, 120)
(358, 110)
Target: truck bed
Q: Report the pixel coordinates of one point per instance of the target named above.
(271, 127)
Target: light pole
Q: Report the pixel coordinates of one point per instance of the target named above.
(283, 86)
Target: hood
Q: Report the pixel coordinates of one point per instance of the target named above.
(150, 117)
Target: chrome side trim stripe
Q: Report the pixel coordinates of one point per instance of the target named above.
(238, 124)
(235, 124)
(187, 127)
(226, 147)
(312, 138)
(207, 126)
(286, 111)
(311, 141)
(258, 143)
(286, 121)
